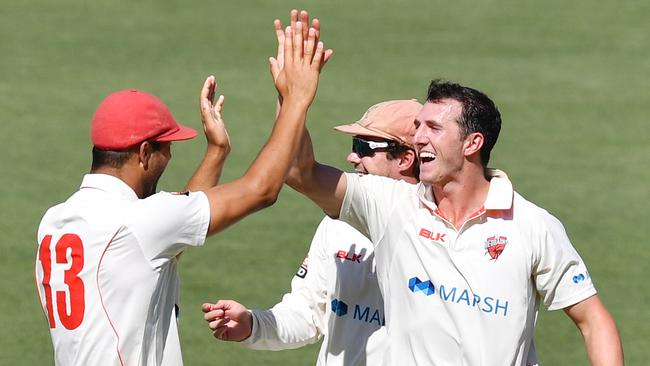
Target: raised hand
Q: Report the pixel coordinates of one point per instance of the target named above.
(302, 65)
(277, 63)
(213, 124)
(208, 172)
(228, 320)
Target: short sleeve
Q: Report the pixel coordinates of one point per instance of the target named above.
(368, 203)
(560, 274)
(165, 223)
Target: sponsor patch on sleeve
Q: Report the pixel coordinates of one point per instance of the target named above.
(302, 270)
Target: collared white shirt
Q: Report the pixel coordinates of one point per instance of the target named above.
(468, 296)
(106, 272)
(334, 295)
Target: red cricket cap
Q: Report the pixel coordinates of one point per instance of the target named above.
(129, 117)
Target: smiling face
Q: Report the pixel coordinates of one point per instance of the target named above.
(438, 143)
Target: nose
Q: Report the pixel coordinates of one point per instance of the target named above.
(418, 138)
(353, 158)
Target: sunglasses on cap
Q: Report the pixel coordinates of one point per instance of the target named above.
(363, 147)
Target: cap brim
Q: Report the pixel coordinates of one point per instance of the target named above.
(357, 130)
(183, 133)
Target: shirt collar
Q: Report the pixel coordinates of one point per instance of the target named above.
(110, 184)
(499, 195)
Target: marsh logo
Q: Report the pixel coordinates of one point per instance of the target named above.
(495, 245)
(450, 294)
(416, 285)
(361, 313)
(579, 278)
(339, 307)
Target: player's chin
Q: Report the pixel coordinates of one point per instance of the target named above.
(427, 176)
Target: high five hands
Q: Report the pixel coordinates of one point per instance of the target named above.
(300, 58)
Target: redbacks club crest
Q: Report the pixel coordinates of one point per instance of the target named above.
(495, 245)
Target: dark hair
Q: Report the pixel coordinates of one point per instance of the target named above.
(116, 158)
(479, 112)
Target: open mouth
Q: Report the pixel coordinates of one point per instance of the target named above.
(426, 157)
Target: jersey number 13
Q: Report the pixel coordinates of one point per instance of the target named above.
(70, 313)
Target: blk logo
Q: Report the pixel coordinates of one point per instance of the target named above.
(350, 256)
(339, 307)
(495, 245)
(578, 278)
(431, 235)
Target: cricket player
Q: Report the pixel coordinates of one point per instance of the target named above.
(334, 295)
(462, 260)
(106, 266)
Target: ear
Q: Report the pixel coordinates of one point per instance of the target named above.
(473, 144)
(144, 154)
(407, 160)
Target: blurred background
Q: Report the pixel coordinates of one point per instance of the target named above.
(570, 79)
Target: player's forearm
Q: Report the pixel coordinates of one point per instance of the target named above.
(280, 329)
(323, 184)
(598, 328)
(602, 342)
(267, 173)
(302, 170)
(208, 172)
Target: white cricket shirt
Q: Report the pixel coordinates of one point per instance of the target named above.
(334, 294)
(466, 297)
(106, 272)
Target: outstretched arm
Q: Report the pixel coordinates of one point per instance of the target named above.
(322, 184)
(602, 341)
(209, 170)
(285, 326)
(299, 319)
(261, 184)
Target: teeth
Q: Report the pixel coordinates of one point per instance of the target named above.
(427, 155)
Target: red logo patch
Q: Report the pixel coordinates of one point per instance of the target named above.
(349, 256)
(495, 245)
(431, 235)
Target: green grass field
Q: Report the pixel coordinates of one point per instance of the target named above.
(570, 78)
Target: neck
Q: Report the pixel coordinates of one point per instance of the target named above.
(461, 197)
(409, 179)
(125, 175)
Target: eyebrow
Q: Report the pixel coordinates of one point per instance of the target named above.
(428, 121)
